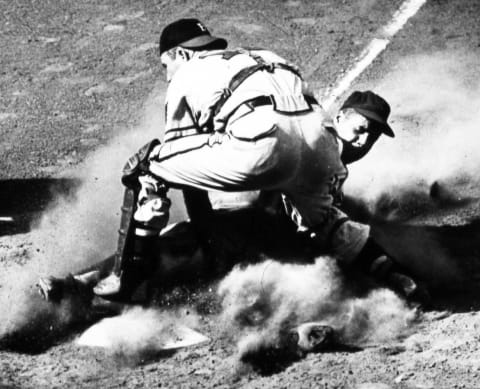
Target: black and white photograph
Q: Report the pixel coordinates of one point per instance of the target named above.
(240, 194)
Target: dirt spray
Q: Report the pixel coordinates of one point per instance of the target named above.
(434, 100)
(80, 230)
(262, 301)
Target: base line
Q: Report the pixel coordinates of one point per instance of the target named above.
(373, 49)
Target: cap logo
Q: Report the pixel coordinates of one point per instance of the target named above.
(190, 33)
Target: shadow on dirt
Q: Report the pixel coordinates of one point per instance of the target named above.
(23, 200)
(50, 327)
(141, 359)
(37, 339)
(446, 257)
(269, 361)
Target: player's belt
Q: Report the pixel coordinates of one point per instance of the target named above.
(311, 100)
(265, 100)
(262, 101)
(259, 101)
(268, 100)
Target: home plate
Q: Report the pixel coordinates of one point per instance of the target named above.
(138, 333)
(185, 337)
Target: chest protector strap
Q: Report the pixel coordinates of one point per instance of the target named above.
(242, 75)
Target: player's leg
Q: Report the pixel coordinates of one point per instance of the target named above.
(353, 245)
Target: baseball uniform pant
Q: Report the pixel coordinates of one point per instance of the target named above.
(268, 150)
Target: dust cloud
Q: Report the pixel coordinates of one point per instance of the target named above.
(79, 230)
(435, 102)
(429, 170)
(264, 300)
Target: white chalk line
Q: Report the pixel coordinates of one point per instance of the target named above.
(374, 48)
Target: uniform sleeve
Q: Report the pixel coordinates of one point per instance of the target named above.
(179, 117)
(192, 97)
(210, 83)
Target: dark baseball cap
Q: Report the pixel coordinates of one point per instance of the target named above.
(372, 106)
(188, 33)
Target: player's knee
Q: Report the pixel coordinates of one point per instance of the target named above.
(137, 164)
(153, 214)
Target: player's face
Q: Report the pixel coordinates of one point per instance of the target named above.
(352, 128)
(171, 62)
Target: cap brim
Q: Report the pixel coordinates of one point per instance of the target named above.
(386, 129)
(204, 40)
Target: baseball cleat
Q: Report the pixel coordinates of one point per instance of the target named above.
(109, 286)
(313, 336)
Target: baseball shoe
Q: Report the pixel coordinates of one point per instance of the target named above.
(312, 337)
(109, 286)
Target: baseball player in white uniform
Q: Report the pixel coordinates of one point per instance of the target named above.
(243, 120)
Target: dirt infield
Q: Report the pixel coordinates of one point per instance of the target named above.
(81, 88)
